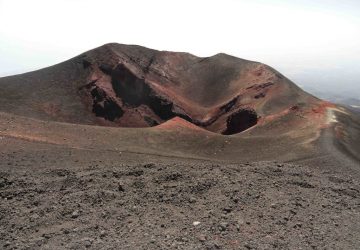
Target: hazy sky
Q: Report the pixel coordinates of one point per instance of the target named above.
(314, 42)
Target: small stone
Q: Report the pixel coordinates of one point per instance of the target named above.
(87, 243)
(7, 243)
(102, 233)
(39, 241)
(224, 216)
(236, 200)
(202, 238)
(298, 225)
(195, 223)
(217, 245)
(227, 209)
(46, 236)
(121, 188)
(75, 214)
(192, 200)
(223, 226)
(248, 246)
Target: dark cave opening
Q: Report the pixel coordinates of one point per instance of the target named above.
(240, 121)
(104, 106)
(161, 107)
(107, 109)
(132, 90)
(150, 121)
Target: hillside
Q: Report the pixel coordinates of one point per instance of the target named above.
(129, 147)
(132, 86)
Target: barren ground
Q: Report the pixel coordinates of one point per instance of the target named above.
(55, 197)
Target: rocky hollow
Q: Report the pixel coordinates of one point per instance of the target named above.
(128, 93)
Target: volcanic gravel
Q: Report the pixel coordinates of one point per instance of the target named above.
(182, 205)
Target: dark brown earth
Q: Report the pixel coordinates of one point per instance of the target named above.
(125, 147)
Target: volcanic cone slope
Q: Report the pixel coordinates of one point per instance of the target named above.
(132, 86)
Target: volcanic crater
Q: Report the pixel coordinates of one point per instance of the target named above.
(127, 93)
(132, 86)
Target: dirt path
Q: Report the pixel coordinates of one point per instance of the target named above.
(330, 154)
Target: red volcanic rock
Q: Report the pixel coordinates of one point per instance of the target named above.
(132, 86)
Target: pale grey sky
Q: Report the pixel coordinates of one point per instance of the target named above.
(314, 42)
